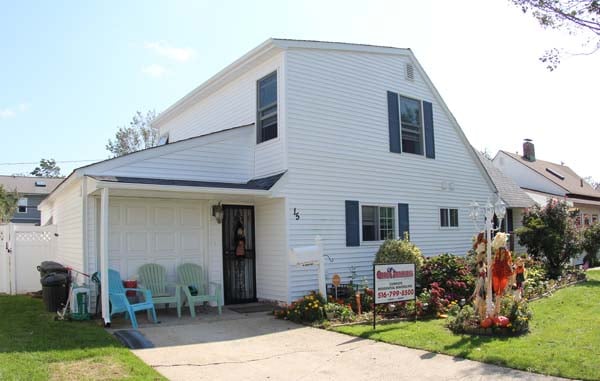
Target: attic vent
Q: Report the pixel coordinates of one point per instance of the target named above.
(40, 184)
(550, 170)
(410, 72)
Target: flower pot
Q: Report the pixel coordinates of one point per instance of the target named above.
(330, 315)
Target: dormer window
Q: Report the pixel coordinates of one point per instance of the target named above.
(266, 102)
(40, 184)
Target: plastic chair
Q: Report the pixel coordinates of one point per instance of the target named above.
(154, 278)
(191, 275)
(119, 302)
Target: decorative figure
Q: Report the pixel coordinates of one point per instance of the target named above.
(519, 275)
(240, 239)
(479, 293)
(501, 267)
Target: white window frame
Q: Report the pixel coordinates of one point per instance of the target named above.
(259, 109)
(22, 203)
(448, 209)
(378, 205)
(422, 129)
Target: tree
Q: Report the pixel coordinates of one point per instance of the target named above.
(577, 17)
(139, 135)
(47, 168)
(550, 235)
(590, 180)
(591, 244)
(8, 204)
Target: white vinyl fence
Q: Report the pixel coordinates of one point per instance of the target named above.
(22, 248)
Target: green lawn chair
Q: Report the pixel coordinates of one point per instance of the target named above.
(196, 290)
(154, 278)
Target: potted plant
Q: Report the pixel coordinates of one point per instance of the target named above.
(330, 309)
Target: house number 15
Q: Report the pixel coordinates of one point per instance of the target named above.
(296, 214)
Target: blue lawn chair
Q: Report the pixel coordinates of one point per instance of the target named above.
(119, 302)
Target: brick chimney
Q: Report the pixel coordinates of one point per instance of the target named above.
(528, 150)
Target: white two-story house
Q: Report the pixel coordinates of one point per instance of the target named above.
(294, 140)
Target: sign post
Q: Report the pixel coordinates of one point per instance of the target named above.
(393, 282)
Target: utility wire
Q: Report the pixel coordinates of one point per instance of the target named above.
(62, 161)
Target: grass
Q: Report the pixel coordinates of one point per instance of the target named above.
(35, 347)
(564, 339)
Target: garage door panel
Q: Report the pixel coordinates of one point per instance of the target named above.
(137, 242)
(164, 216)
(136, 215)
(114, 215)
(191, 217)
(166, 232)
(165, 241)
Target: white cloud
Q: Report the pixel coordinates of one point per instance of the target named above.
(164, 49)
(154, 71)
(7, 113)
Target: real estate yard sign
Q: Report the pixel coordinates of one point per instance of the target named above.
(393, 283)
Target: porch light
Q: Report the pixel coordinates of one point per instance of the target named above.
(217, 212)
(500, 209)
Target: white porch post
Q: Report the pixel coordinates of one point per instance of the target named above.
(104, 255)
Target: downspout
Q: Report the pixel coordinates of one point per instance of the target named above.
(84, 218)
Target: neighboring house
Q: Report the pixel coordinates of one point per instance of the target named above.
(514, 197)
(32, 190)
(543, 180)
(294, 140)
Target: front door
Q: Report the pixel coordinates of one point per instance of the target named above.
(239, 256)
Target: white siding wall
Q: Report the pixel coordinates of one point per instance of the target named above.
(517, 223)
(225, 157)
(67, 214)
(234, 105)
(525, 177)
(338, 145)
(271, 250)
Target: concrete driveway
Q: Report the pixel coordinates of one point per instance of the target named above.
(259, 347)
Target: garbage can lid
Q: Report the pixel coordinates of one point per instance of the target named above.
(54, 279)
(50, 266)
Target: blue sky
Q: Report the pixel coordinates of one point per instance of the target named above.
(72, 72)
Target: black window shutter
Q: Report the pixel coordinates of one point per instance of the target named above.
(509, 220)
(394, 122)
(403, 220)
(352, 227)
(429, 137)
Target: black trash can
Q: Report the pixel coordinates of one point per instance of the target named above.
(55, 290)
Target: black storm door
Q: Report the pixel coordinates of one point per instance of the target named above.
(239, 256)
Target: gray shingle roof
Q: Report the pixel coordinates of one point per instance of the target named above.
(263, 183)
(26, 184)
(508, 190)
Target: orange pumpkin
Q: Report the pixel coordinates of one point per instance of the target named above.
(501, 321)
(487, 322)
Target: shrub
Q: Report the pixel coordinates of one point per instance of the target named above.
(432, 301)
(517, 312)
(461, 319)
(450, 272)
(591, 244)
(549, 234)
(366, 301)
(340, 311)
(400, 251)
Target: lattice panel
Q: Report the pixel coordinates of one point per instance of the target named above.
(33, 236)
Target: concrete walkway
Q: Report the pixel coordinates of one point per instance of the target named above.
(258, 347)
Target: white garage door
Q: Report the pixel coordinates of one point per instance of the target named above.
(167, 232)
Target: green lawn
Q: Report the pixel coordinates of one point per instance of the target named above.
(35, 347)
(564, 339)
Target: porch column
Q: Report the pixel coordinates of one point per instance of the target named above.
(104, 255)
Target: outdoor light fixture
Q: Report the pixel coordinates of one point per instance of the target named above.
(488, 210)
(217, 212)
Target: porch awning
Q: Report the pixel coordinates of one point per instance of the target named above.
(258, 184)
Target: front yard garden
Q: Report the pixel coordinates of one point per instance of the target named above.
(33, 346)
(563, 338)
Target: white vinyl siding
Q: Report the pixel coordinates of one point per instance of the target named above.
(338, 149)
(67, 215)
(271, 252)
(234, 104)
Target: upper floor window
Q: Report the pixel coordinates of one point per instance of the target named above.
(448, 217)
(22, 205)
(266, 119)
(412, 125)
(377, 223)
